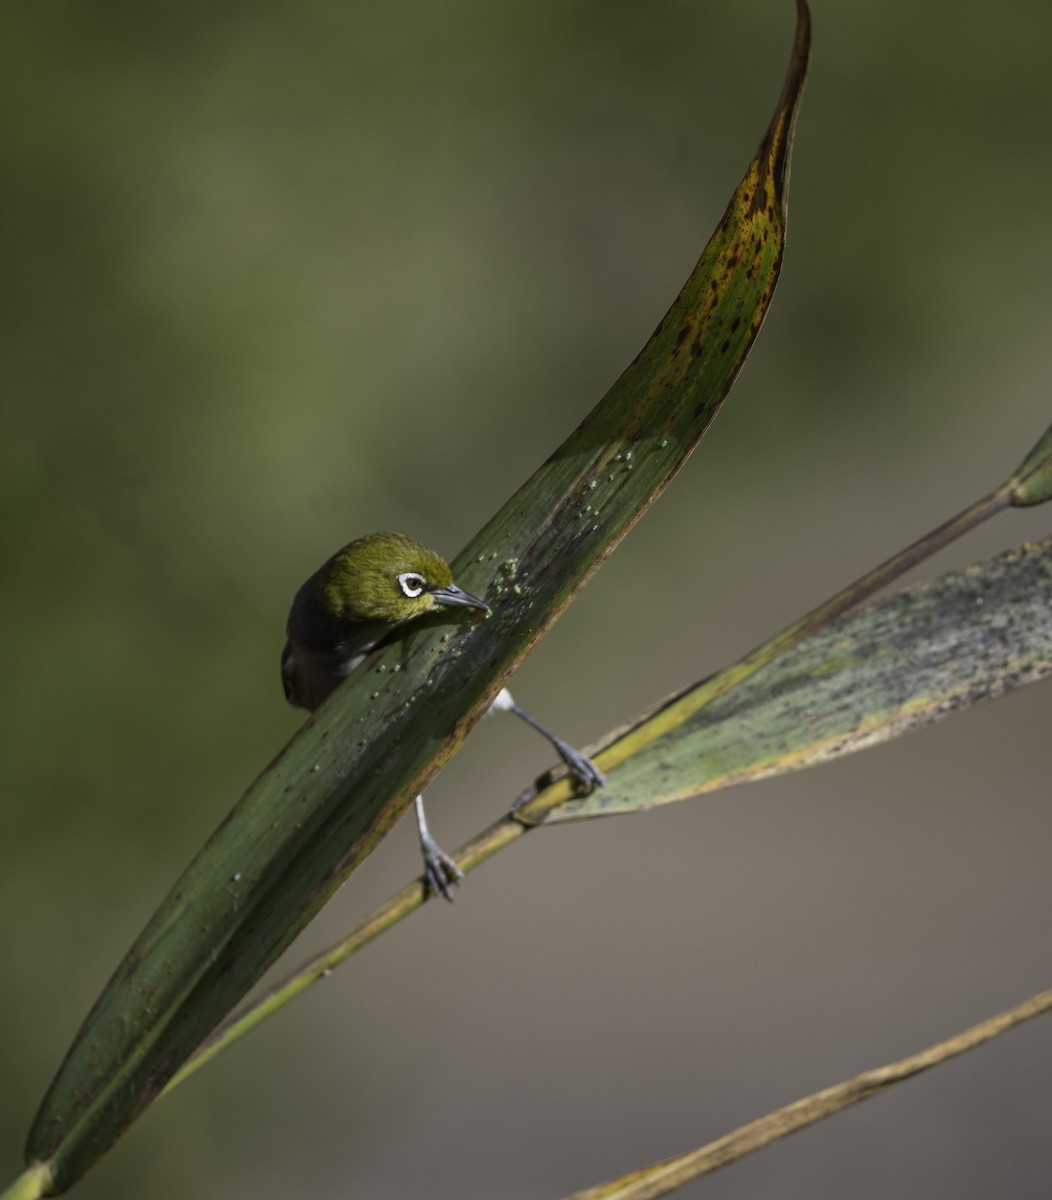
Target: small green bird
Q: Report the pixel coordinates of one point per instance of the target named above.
(348, 606)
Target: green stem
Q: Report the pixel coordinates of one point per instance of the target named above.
(31, 1184)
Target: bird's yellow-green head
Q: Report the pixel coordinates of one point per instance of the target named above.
(389, 578)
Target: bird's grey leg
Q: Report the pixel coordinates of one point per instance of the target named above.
(440, 871)
(580, 765)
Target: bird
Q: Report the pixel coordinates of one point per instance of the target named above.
(355, 599)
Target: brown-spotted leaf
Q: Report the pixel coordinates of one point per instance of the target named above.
(336, 789)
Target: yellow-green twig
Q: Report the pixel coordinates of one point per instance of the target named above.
(664, 1177)
(30, 1185)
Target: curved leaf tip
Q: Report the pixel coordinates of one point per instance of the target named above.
(775, 151)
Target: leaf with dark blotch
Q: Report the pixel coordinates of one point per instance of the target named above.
(337, 788)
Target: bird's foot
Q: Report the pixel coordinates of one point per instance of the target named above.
(441, 873)
(580, 766)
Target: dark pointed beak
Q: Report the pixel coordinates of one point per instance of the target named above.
(456, 595)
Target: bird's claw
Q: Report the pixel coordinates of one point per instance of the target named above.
(441, 873)
(580, 766)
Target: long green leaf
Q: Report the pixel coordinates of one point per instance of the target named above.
(337, 788)
(903, 662)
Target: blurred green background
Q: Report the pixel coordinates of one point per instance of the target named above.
(278, 275)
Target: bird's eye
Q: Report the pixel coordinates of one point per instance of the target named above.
(412, 584)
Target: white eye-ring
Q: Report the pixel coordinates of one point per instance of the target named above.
(412, 584)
